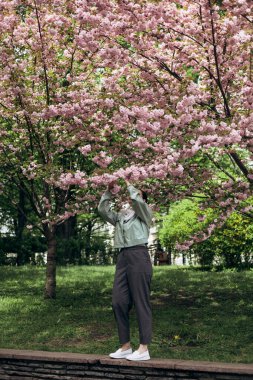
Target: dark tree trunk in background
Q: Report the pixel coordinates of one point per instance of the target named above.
(66, 232)
(50, 286)
(169, 254)
(67, 229)
(19, 225)
(89, 227)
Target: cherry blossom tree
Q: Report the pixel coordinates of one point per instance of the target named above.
(185, 99)
(49, 104)
(97, 91)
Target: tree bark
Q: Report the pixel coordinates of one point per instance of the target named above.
(67, 229)
(64, 233)
(19, 224)
(88, 241)
(169, 255)
(50, 286)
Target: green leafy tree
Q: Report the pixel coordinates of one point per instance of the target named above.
(230, 245)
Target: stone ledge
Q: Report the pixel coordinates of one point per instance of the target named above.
(169, 364)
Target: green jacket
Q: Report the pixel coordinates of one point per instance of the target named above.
(136, 230)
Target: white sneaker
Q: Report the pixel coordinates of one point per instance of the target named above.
(137, 356)
(119, 354)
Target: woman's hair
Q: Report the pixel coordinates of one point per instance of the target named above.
(144, 196)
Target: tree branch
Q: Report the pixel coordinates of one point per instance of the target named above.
(219, 166)
(226, 106)
(42, 54)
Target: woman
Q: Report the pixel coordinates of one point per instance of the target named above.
(134, 270)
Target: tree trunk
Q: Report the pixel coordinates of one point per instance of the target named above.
(19, 225)
(50, 287)
(88, 241)
(65, 232)
(67, 229)
(169, 261)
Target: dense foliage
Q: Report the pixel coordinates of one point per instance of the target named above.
(228, 247)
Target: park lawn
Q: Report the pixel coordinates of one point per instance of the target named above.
(196, 315)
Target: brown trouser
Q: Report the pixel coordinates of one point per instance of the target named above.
(131, 285)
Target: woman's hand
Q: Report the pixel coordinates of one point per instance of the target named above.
(111, 185)
(127, 182)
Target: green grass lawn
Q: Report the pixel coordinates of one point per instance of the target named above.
(196, 315)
